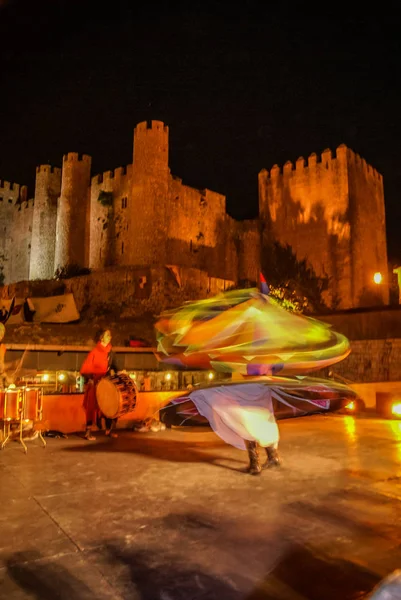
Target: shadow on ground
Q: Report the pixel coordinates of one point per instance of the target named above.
(306, 574)
(302, 573)
(45, 580)
(162, 449)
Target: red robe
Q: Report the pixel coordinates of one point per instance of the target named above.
(95, 366)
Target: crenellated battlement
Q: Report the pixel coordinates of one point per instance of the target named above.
(148, 126)
(326, 160)
(76, 157)
(26, 204)
(13, 193)
(118, 173)
(23, 194)
(9, 186)
(48, 169)
(359, 162)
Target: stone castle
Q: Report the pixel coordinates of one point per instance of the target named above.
(330, 210)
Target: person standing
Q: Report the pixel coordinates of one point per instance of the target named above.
(99, 362)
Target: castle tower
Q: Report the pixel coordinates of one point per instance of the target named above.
(148, 215)
(330, 210)
(72, 229)
(12, 198)
(47, 192)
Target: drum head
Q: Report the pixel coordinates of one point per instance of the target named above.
(108, 398)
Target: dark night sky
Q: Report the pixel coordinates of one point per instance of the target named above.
(239, 90)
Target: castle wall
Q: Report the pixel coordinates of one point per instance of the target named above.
(307, 208)
(329, 209)
(73, 212)
(20, 248)
(193, 236)
(368, 233)
(11, 194)
(249, 251)
(109, 228)
(47, 192)
(140, 290)
(124, 215)
(148, 218)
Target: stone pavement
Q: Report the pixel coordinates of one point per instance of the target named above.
(171, 515)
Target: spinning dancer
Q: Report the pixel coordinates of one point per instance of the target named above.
(248, 333)
(99, 362)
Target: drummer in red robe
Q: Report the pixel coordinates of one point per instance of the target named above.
(99, 362)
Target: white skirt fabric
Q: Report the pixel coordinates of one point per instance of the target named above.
(239, 412)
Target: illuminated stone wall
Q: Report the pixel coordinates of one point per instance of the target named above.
(109, 225)
(200, 230)
(372, 360)
(249, 251)
(331, 211)
(73, 212)
(139, 290)
(20, 247)
(43, 245)
(368, 233)
(12, 196)
(148, 216)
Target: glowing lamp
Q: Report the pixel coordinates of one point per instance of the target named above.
(45, 377)
(351, 406)
(211, 375)
(377, 278)
(61, 377)
(168, 376)
(396, 409)
(132, 375)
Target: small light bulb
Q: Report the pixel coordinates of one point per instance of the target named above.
(377, 278)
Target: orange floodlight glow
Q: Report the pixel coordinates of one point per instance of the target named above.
(396, 409)
(377, 278)
(351, 405)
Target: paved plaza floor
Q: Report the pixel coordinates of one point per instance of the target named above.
(173, 515)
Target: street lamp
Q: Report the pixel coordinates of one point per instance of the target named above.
(377, 278)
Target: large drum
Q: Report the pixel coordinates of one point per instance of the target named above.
(32, 404)
(116, 395)
(2, 403)
(10, 404)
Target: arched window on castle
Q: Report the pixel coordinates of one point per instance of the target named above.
(124, 202)
(122, 248)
